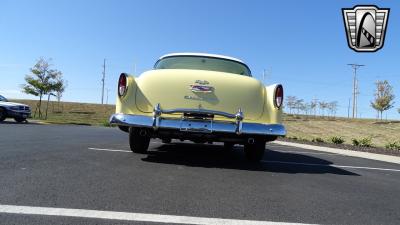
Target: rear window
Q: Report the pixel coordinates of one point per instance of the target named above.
(203, 63)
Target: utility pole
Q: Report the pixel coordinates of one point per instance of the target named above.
(102, 80)
(107, 96)
(134, 70)
(266, 73)
(355, 87)
(263, 77)
(348, 109)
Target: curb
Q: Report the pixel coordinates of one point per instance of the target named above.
(365, 155)
(39, 122)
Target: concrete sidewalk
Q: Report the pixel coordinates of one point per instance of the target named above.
(366, 155)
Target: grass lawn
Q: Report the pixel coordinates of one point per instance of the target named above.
(73, 112)
(300, 127)
(381, 132)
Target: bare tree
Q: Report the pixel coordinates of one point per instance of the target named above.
(383, 97)
(298, 105)
(332, 107)
(291, 103)
(313, 107)
(322, 106)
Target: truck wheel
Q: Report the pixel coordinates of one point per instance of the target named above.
(2, 114)
(19, 120)
(254, 152)
(166, 140)
(228, 146)
(138, 143)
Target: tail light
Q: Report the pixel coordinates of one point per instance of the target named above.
(278, 96)
(122, 84)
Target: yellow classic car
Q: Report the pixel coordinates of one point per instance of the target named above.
(201, 98)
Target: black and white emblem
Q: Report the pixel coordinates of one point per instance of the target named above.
(365, 27)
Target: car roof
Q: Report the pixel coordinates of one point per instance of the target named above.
(201, 54)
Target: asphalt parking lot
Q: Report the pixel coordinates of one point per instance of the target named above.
(52, 174)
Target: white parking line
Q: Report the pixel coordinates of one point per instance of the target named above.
(312, 153)
(332, 165)
(127, 216)
(108, 150)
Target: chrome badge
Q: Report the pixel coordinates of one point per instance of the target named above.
(365, 27)
(203, 82)
(201, 88)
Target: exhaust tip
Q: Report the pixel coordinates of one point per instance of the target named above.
(250, 140)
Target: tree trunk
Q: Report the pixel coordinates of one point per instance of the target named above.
(47, 106)
(40, 105)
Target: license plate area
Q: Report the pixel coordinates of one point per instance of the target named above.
(200, 126)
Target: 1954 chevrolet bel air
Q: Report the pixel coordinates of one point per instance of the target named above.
(202, 98)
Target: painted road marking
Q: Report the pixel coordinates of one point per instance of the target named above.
(109, 150)
(332, 165)
(283, 162)
(128, 216)
(312, 153)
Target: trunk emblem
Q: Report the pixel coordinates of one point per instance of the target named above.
(202, 82)
(201, 88)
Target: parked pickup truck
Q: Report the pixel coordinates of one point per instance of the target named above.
(18, 111)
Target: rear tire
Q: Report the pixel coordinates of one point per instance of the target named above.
(255, 152)
(2, 114)
(228, 146)
(166, 140)
(137, 142)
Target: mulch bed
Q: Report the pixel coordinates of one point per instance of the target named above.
(376, 150)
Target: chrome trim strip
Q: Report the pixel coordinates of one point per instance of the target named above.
(217, 126)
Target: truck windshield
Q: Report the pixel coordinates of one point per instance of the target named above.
(2, 99)
(203, 63)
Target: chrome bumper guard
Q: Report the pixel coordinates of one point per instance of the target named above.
(194, 125)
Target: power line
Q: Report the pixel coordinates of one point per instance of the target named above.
(355, 87)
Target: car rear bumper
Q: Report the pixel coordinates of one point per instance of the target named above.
(198, 126)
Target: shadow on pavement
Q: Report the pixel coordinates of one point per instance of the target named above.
(21, 123)
(214, 156)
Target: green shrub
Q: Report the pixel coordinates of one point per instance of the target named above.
(337, 140)
(318, 139)
(355, 142)
(393, 145)
(106, 123)
(362, 142)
